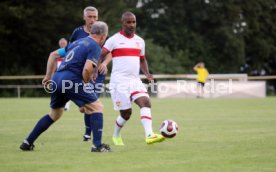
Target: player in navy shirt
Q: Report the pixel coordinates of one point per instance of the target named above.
(90, 15)
(78, 33)
(72, 82)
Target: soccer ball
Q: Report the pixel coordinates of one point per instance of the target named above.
(168, 128)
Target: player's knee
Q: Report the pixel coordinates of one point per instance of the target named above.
(99, 107)
(55, 114)
(147, 104)
(126, 114)
(94, 107)
(143, 102)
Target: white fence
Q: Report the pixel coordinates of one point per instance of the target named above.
(212, 89)
(242, 83)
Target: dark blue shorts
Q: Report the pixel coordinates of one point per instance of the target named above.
(99, 84)
(70, 87)
(201, 84)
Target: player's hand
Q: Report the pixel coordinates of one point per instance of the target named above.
(102, 69)
(46, 79)
(149, 77)
(82, 109)
(94, 76)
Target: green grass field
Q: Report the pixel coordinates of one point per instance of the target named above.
(214, 135)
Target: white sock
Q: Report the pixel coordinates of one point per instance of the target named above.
(119, 123)
(146, 120)
(67, 105)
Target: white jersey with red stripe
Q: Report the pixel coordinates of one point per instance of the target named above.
(126, 53)
(59, 60)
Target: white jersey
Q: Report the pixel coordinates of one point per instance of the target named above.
(59, 60)
(126, 53)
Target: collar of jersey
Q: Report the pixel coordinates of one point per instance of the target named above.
(128, 36)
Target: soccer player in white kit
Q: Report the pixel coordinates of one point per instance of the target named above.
(63, 43)
(128, 57)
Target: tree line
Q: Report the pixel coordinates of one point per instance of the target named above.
(230, 36)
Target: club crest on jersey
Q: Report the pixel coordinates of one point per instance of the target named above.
(138, 44)
(118, 103)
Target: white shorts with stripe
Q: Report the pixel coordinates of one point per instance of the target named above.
(123, 94)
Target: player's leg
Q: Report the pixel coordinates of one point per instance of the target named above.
(122, 103)
(87, 132)
(202, 89)
(58, 101)
(198, 94)
(143, 102)
(95, 110)
(145, 114)
(98, 87)
(119, 123)
(42, 125)
(90, 105)
(140, 96)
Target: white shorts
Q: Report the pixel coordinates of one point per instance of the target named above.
(123, 94)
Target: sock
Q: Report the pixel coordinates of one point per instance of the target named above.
(96, 123)
(146, 120)
(87, 124)
(67, 106)
(42, 125)
(119, 123)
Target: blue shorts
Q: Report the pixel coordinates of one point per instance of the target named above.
(201, 84)
(99, 84)
(70, 87)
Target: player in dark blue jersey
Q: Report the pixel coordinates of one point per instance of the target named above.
(90, 16)
(72, 82)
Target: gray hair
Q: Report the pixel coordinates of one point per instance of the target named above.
(90, 8)
(99, 28)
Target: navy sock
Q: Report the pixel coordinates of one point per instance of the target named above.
(87, 124)
(96, 122)
(42, 125)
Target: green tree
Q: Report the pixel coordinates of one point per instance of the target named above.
(30, 30)
(221, 33)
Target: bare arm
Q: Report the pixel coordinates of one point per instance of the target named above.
(196, 66)
(101, 59)
(87, 71)
(103, 54)
(145, 69)
(51, 66)
(103, 66)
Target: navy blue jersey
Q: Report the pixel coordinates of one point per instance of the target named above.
(77, 53)
(78, 33)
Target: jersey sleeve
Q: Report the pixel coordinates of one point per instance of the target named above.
(142, 54)
(94, 55)
(62, 52)
(109, 44)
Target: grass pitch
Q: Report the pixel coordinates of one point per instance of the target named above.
(214, 135)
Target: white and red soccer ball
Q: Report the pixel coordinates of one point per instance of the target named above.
(168, 128)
